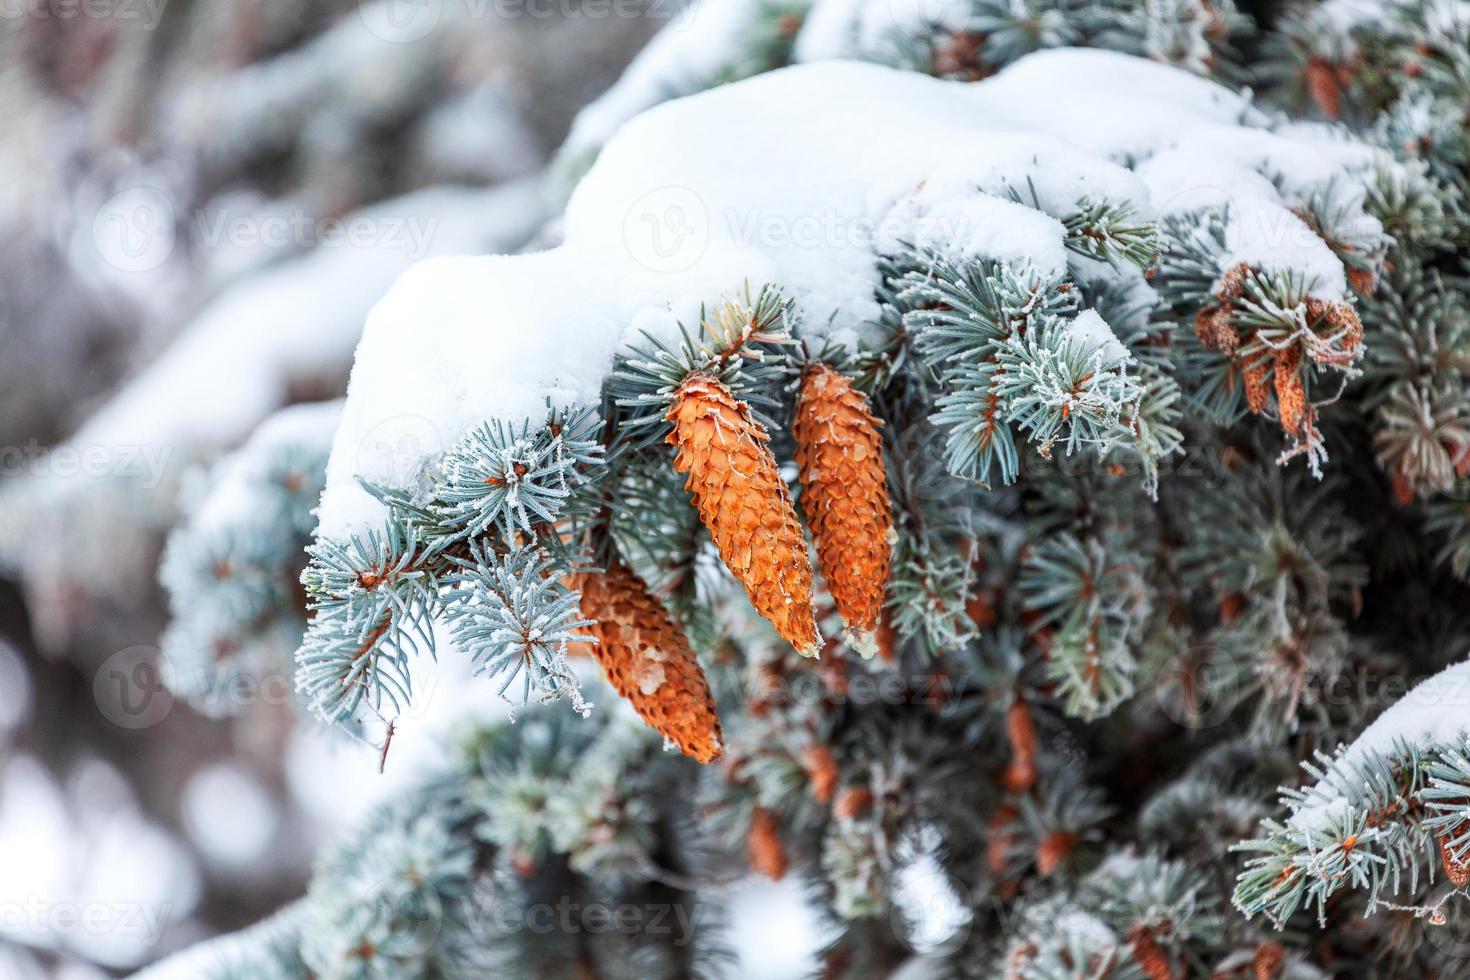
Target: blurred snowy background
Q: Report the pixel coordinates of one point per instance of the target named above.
(199, 201)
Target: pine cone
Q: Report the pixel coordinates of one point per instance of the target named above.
(763, 846)
(839, 455)
(1021, 731)
(852, 802)
(1266, 963)
(1055, 848)
(648, 660)
(1149, 955)
(743, 501)
(1455, 869)
(1324, 85)
(1257, 376)
(821, 771)
(1291, 397)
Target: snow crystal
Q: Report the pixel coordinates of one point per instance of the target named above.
(784, 179)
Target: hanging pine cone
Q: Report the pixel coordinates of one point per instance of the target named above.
(1055, 848)
(821, 771)
(1266, 963)
(1149, 955)
(1291, 397)
(839, 455)
(1455, 869)
(743, 501)
(1257, 368)
(852, 802)
(648, 660)
(1324, 81)
(1021, 731)
(763, 847)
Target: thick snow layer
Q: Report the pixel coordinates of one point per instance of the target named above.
(1435, 712)
(785, 179)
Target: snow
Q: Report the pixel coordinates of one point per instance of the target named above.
(233, 497)
(85, 871)
(298, 320)
(684, 56)
(1092, 332)
(1434, 712)
(784, 179)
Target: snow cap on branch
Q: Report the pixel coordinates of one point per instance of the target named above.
(696, 197)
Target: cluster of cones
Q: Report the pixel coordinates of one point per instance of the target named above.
(737, 488)
(1335, 339)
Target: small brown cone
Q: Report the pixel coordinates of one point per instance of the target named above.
(1055, 848)
(763, 847)
(821, 771)
(852, 802)
(1323, 85)
(1230, 607)
(743, 501)
(1363, 280)
(839, 455)
(1149, 955)
(1266, 963)
(1455, 869)
(1291, 397)
(649, 661)
(1257, 382)
(1021, 731)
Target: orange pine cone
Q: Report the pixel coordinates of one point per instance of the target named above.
(1149, 955)
(763, 847)
(1054, 849)
(1257, 388)
(1455, 869)
(839, 456)
(1021, 731)
(743, 501)
(649, 661)
(852, 802)
(1291, 397)
(1230, 607)
(821, 771)
(1323, 84)
(1266, 963)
